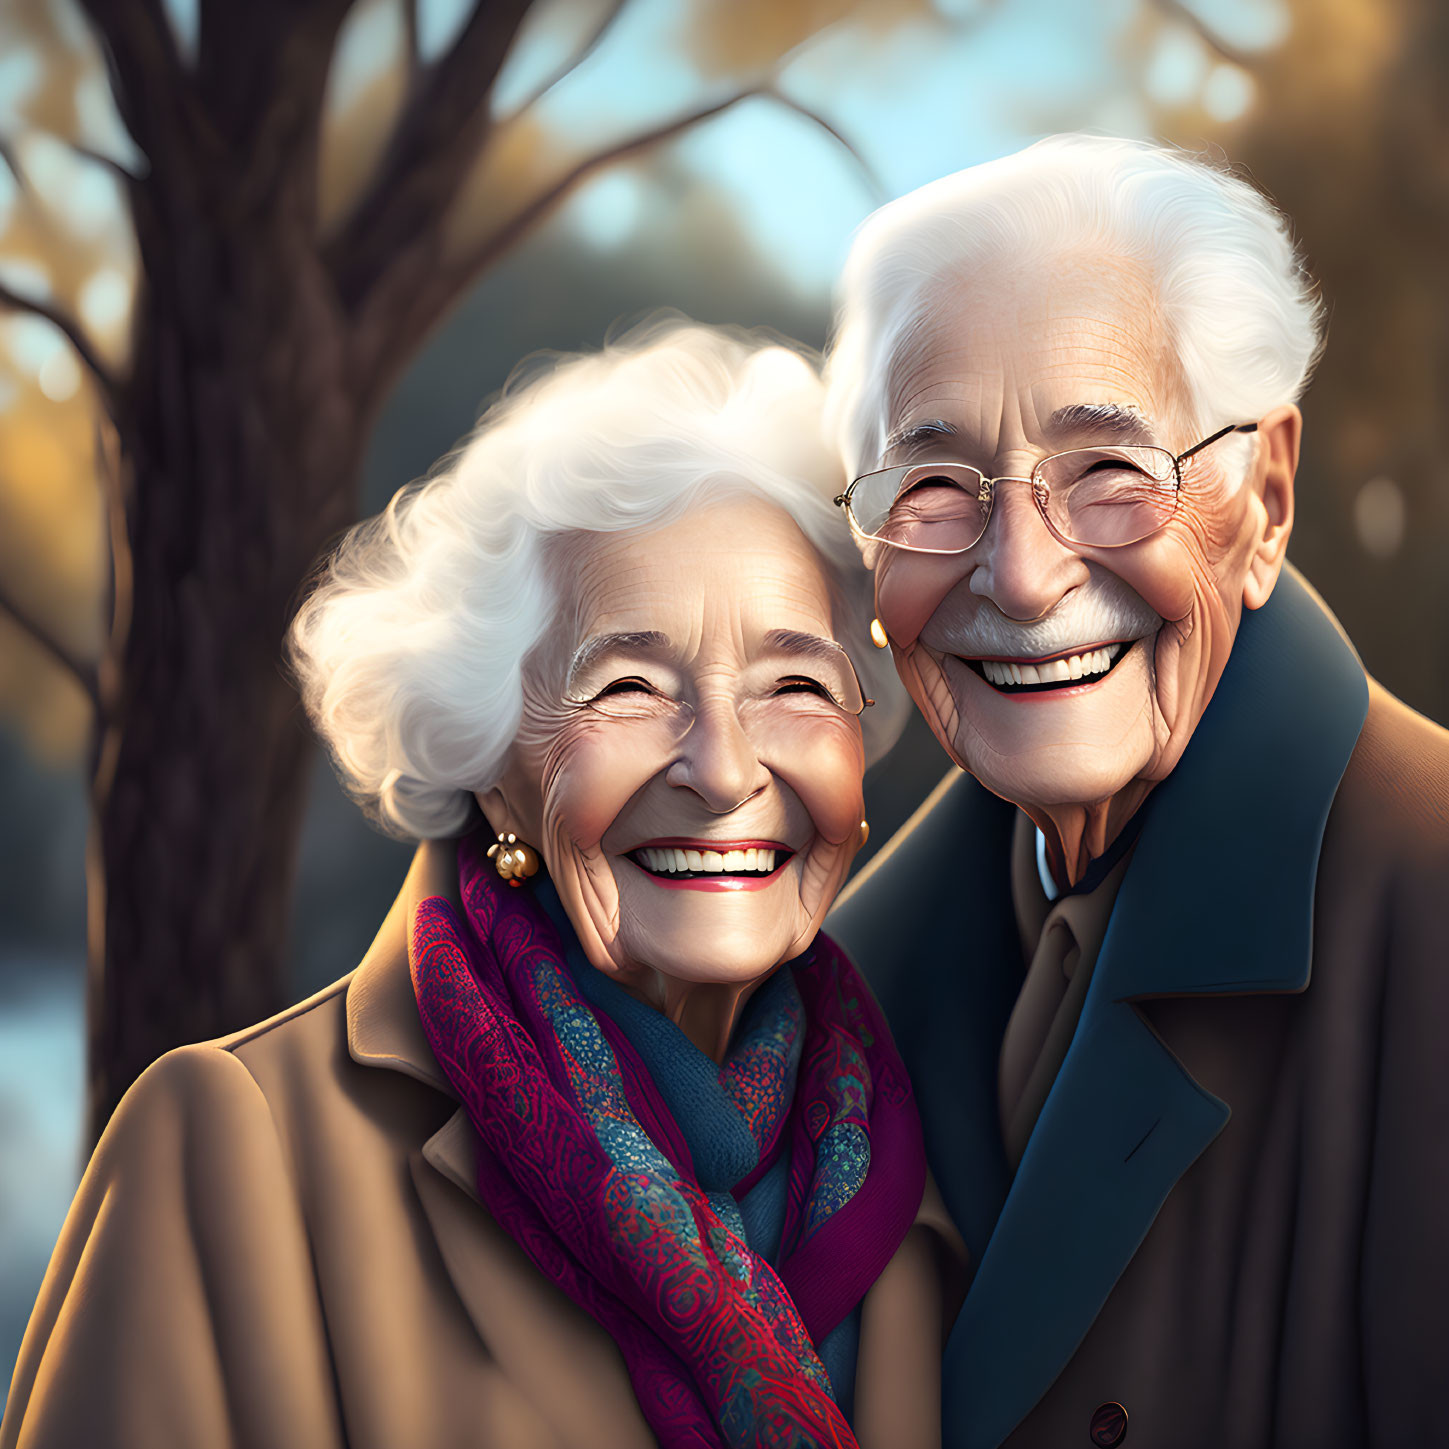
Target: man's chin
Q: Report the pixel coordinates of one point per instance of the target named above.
(1047, 777)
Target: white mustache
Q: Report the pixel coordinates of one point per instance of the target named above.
(1098, 612)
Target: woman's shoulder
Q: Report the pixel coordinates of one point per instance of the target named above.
(338, 1067)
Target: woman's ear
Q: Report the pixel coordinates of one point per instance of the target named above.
(502, 813)
(1280, 433)
(495, 810)
(510, 805)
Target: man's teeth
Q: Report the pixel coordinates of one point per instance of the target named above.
(1076, 666)
(668, 858)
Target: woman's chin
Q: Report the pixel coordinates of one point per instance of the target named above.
(702, 952)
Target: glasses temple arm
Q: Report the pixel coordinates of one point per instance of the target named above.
(1221, 433)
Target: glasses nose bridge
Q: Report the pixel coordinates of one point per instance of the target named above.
(987, 494)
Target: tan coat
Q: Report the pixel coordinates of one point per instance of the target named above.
(278, 1244)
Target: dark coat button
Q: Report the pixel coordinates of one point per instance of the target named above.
(1109, 1425)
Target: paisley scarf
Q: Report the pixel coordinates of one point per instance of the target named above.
(581, 1162)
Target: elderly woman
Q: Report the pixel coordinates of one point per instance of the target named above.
(603, 1144)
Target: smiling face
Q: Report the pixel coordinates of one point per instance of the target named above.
(692, 773)
(1060, 675)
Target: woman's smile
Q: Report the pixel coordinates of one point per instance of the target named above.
(690, 863)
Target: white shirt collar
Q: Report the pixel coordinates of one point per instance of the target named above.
(1048, 885)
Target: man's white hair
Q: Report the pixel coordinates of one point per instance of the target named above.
(411, 650)
(1240, 313)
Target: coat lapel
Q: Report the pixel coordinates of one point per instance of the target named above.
(1218, 899)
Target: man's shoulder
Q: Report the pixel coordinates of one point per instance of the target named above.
(1395, 791)
(1386, 846)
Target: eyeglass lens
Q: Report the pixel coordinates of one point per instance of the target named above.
(1100, 497)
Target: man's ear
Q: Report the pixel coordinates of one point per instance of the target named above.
(1280, 433)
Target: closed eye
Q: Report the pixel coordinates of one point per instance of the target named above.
(803, 684)
(625, 686)
(934, 480)
(1114, 465)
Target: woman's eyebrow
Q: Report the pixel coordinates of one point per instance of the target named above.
(647, 641)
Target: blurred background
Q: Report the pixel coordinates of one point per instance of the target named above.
(708, 155)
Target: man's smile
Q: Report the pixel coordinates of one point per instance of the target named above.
(1069, 669)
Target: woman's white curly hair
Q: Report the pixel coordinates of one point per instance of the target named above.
(410, 651)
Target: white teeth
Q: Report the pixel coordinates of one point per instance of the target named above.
(1054, 671)
(668, 859)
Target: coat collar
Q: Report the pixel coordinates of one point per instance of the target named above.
(1219, 899)
(1242, 816)
(383, 1028)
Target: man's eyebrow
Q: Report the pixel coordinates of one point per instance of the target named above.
(1119, 421)
(648, 641)
(919, 435)
(810, 646)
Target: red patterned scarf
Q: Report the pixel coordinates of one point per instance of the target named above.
(582, 1163)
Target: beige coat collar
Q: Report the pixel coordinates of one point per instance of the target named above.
(383, 1027)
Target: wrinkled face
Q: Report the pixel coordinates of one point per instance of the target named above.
(1014, 368)
(693, 776)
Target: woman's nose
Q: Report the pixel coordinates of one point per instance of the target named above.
(1019, 564)
(717, 759)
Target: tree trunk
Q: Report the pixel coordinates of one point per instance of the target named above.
(240, 459)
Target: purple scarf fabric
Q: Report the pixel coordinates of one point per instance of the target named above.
(581, 1161)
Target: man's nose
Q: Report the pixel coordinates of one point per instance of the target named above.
(1019, 564)
(717, 759)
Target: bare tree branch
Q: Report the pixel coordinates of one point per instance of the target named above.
(874, 184)
(122, 173)
(437, 139)
(149, 82)
(74, 335)
(410, 36)
(606, 21)
(13, 166)
(1181, 11)
(500, 241)
(83, 673)
(406, 305)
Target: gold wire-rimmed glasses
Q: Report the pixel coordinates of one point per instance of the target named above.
(1102, 497)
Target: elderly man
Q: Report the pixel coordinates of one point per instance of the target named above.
(1171, 972)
